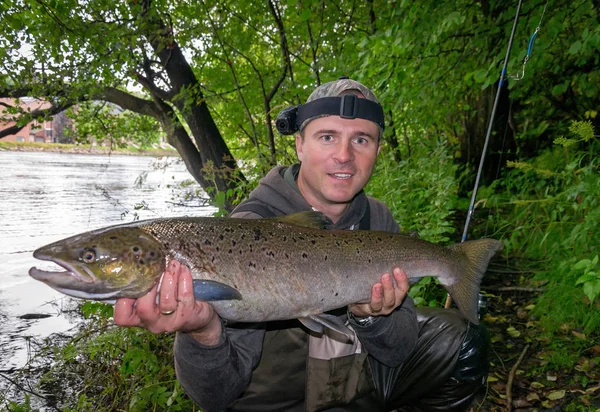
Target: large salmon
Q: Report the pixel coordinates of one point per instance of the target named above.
(254, 270)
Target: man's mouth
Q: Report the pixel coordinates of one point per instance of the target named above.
(341, 176)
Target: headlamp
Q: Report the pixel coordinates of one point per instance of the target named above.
(347, 106)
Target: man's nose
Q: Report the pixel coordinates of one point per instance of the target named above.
(344, 153)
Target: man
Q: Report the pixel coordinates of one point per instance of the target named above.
(430, 360)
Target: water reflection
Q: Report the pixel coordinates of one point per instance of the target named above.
(48, 196)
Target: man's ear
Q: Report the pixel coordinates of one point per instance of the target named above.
(299, 148)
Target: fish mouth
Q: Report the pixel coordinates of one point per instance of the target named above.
(70, 272)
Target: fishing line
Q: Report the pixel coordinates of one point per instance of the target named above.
(530, 47)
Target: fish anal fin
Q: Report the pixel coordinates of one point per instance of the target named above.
(465, 292)
(318, 324)
(312, 219)
(209, 290)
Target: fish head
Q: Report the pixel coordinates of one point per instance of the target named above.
(104, 264)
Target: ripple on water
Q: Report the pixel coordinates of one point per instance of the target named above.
(49, 196)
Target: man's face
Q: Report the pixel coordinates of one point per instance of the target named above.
(338, 156)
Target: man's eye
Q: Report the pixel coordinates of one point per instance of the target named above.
(361, 141)
(327, 138)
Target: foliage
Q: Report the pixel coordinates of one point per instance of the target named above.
(548, 210)
(116, 368)
(422, 193)
(101, 122)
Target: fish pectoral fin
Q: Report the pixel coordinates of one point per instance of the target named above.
(318, 324)
(209, 290)
(313, 219)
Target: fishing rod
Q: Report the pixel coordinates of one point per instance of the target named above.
(489, 132)
(491, 123)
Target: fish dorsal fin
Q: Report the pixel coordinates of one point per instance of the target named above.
(312, 219)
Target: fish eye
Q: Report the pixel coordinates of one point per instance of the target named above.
(88, 255)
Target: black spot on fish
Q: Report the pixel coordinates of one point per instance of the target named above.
(233, 243)
(217, 248)
(359, 240)
(336, 293)
(284, 238)
(257, 234)
(326, 257)
(230, 251)
(337, 243)
(304, 255)
(300, 237)
(379, 239)
(113, 238)
(314, 242)
(212, 259)
(142, 262)
(358, 251)
(152, 254)
(207, 242)
(287, 256)
(221, 237)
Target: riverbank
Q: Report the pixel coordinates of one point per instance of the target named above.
(83, 149)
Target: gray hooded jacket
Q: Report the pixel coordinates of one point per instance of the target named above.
(267, 367)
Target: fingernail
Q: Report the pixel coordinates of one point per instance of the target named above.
(386, 277)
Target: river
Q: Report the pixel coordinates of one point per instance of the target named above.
(45, 197)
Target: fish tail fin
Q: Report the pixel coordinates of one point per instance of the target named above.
(465, 292)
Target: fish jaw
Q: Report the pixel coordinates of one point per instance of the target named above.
(72, 282)
(110, 263)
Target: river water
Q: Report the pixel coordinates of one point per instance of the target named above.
(45, 197)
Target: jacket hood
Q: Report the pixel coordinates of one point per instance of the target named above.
(278, 190)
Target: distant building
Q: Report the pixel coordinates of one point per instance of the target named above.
(47, 131)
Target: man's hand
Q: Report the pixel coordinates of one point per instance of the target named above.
(384, 296)
(177, 310)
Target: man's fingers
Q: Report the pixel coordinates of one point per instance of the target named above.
(401, 285)
(186, 288)
(389, 292)
(376, 303)
(146, 307)
(167, 303)
(125, 313)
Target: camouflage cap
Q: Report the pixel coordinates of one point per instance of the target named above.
(337, 88)
(340, 87)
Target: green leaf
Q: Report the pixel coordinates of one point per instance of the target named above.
(575, 47)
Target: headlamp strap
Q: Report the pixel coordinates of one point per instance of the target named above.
(348, 106)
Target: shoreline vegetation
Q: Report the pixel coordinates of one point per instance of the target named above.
(84, 149)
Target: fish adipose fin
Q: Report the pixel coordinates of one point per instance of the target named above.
(312, 219)
(208, 290)
(465, 292)
(318, 324)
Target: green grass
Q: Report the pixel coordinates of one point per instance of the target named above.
(80, 148)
